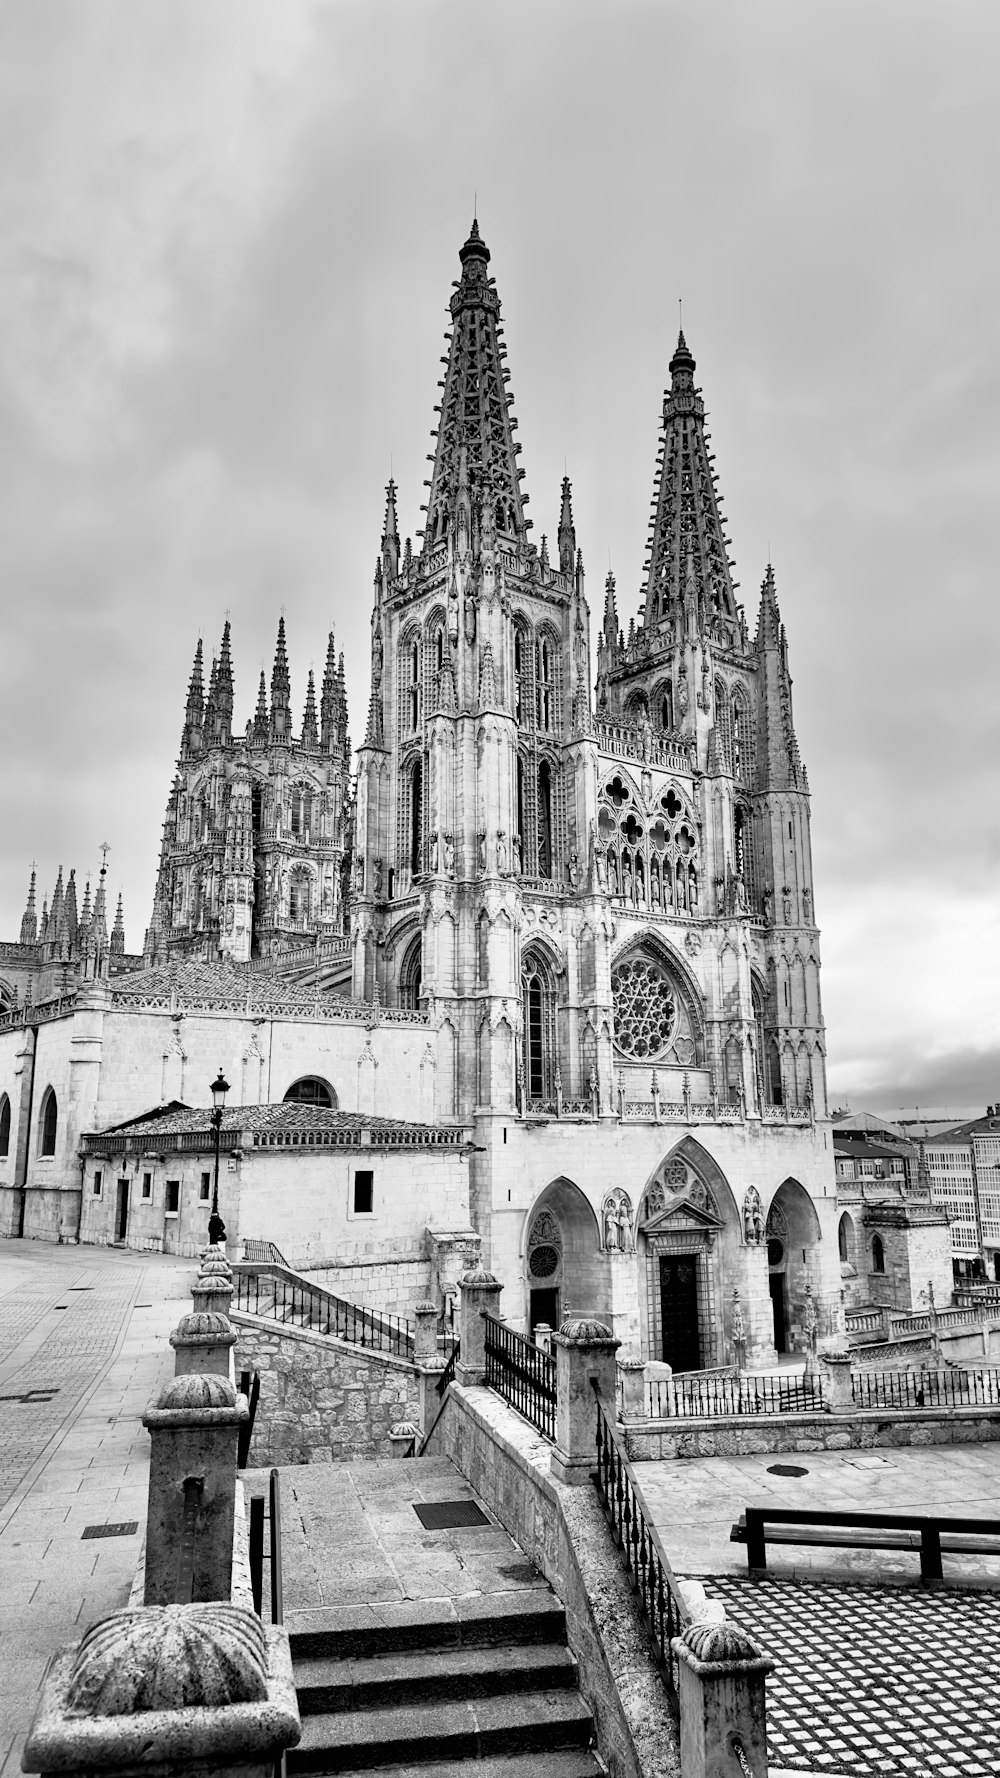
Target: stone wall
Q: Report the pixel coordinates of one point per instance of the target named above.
(321, 1400)
(563, 1532)
(750, 1437)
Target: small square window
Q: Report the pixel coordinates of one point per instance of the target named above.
(206, 1187)
(98, 1182)
(173, 1197)
(364, 1193)
(147, 1185)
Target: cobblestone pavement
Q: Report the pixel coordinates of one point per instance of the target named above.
(83, 1348)
(875, 1680)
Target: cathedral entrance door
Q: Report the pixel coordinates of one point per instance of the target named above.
(121, 1211)
(776, 1281)
(544, 1307)
(679, 1311)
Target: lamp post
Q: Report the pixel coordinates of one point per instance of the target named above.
(219, 1089)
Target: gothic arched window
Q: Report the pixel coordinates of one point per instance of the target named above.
(543, 683)
(299, 888)
(723, 723)
(413, 693)
(48, 1119)
(4, 1125)
(646, 1008)
(545, 819)
(667, 707)
(538, 991)
(878, 1254)
(410, 977)
(742, 732)
(521, 810)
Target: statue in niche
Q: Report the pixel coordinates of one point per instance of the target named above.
(742, 906)
(786, 905)
(453, 612)
(470, 619)
(434, 852)
(359, 879)
(481, 840)
(574, 871)
(377, 657)
(647, 785)
(654, 888)
(501, 853)
(612, 873)
(377, 879)
(807, 906)
(610, 1226)
(625, 1241)
(646, 736)
(767, 905)
(753, 1218)
(449, 855)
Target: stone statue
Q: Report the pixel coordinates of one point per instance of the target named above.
(610, 1226)
(377, 657)
(742, 905)
(378, 879)
(574, 871)
(786, 905)
(807, 906)
(767, 904)
(646, 733)
(482, 850)
(625, 1224)
(449, 855)
(753, 1217)
(501, 852)
(434, 852)
(359, 878)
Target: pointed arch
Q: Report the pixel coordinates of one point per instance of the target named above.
(693, 1154)
(48, 1122)
(560, 1247)
(4, 1126)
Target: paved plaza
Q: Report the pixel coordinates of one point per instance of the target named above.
(83, 1347)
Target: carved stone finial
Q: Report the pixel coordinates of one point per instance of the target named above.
(715, 1643)
(169, 1657)
(199, 1390)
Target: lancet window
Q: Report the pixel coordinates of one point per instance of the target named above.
(4, 1125)
(652, 860)
(48, 1123)
(539, 1028)
(410, 977)
(410, 688)
(742, 737)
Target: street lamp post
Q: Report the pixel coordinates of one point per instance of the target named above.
(216, 1226)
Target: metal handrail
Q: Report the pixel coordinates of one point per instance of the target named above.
(321, 1311)
(522, 1373)
(644, 1559)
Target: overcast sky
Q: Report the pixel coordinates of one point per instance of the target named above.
(228, 232)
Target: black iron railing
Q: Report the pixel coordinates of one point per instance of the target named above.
(250, 1387)
(263, 1252)
(959, 1388)
(644, 1559)
(448, 1374)
(272, 1554)
(522, 1373)
(725, 1397)
(282, 1295)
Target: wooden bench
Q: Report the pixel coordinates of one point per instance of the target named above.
(927, 1533)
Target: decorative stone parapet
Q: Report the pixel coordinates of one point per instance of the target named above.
(835, 1370)
(202, 1344)
(480, 1293)
(208, 1687)
(633, 1377)
(194, 1431)
(721, 1674)
(425, 1346)
(585, 1356)
(211, 1294)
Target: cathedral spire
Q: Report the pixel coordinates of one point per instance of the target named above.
(686, 514)
(117, 946)
(224, 689)
(261, 725)
(769, 624)
(610, 612)
(567, 530)
(281, 709)
(54, 932)
(328, 699)
(194, 713)
(475, 408)
(29, 922)
(390, 535)
(781, 760)
(310, 737)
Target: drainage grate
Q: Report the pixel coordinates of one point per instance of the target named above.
(81, 1287)
(449, 1515)
(32, 1396)
(786, 1469)
(127, 1528)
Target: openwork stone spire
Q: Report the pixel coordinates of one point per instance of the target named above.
(476, 418)
(29, 922)
(687, 544)
(281, 710)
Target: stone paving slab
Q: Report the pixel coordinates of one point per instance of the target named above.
(875, 1679)
(80, 1459)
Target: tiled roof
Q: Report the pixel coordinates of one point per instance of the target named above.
(271, 1126)
(181, 1120)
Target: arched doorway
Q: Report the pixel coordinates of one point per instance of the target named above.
(564, 1267)
(792, 1232)
(688, 1239)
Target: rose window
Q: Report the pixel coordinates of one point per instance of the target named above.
(543, 1262)
(645, 1008)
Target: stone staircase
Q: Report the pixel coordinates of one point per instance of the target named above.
(432, 1684)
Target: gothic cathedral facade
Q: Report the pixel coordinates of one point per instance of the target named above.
(604, 907)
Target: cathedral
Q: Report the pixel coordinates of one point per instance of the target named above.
(567, 911)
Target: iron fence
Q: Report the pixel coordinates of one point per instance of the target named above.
(282, 1296)
(448, 1374)
(959, 1388)
(522, 1373)
(257, 1555)
(643, 1557)
(721, 1397)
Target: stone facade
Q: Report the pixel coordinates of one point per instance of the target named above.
(321, 1401)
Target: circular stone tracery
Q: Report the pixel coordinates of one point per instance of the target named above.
(645, 1008)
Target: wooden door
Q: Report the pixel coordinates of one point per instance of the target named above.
(679, 1311)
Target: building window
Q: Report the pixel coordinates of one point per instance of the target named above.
(539, 1030)
(878, 1254)
(311, 1090)
(364, 1192)
(47, 1123)
(742, 738)
(206, 1187)
(543, 685)
(416, 818)
(4, 1125)
(667, 708)
(98, 1182)
(414, 689)
(147, 1185)
(173, 1203)
(645, 1008)
(545, 819)
(410, 977)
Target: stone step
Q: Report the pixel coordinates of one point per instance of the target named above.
(324, 1684)
(526, 1615)
(558, 1762)
(528, 1722)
